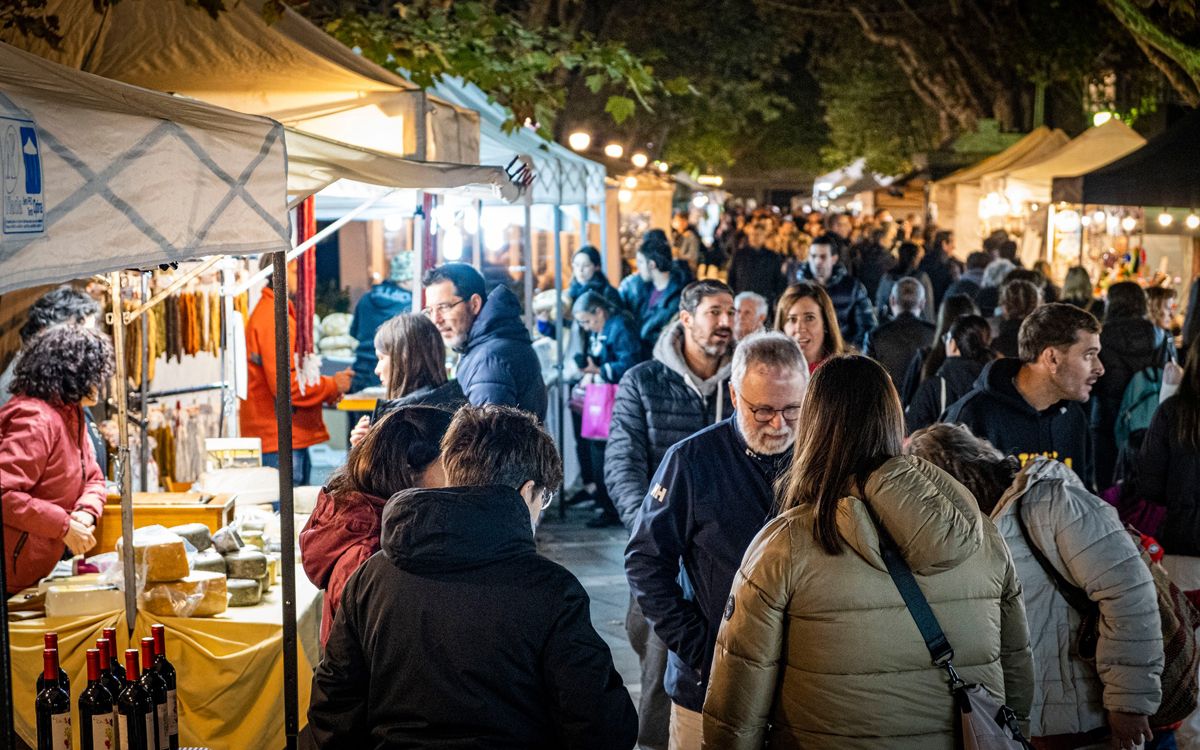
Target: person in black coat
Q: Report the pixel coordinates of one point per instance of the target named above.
(1018, 298)
(756, 268)
(498, 364)
(458, 634)
(1033, 406)
(855, 313)
(972, 279)
(872, 258)
(908, 260)
(652, 294)
(1168, 464)
(1129, 344)
(968, 350)
(894, 343)
(937, 265)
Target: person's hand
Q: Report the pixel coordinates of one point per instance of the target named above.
(360, 431)
(79, 538)
(1172, 373)
(1128, 730)
(592, 368)
(342, 380)
(85, 518)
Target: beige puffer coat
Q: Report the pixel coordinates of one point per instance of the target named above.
(819, 651)
(1082, 537)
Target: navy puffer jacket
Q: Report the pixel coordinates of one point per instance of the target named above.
(498, 364)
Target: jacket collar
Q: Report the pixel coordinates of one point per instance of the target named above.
(669, 351)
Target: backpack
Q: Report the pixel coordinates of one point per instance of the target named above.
(1140, 400)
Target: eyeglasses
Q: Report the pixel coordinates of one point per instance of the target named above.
(440, 311)
(764, 414)
(547, 498)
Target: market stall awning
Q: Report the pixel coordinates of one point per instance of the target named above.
(563, 176)
(289, 70)
(1094, 148)
(315, 163)
(100, 176)
(1040, 142)
(1164, 172)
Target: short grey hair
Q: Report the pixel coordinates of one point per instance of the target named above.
(770, 349)
(759, 301)
(908, 294)
(995, 272)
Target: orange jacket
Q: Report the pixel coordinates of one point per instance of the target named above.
(257, 414)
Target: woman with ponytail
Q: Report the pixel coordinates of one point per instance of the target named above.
(968, 347)
(401, 451)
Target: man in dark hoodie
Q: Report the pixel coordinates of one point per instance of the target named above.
(458, 634)
(652, 294)
(498, 364)
(384, 301)
(1033, 406)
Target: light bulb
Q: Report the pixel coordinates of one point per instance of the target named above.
(452, 245)
(640, 160)
(630, 182)
(579, 140)
(1128, 223)
(663, 167)
(393, 222)
(1085, 221)
(1165, 219)
(624, 196)
(1192, 221)
(700, 200)
(614, 151)
(1099, 217)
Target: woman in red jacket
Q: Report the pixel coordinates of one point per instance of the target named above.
(52, 487)
(400, 451)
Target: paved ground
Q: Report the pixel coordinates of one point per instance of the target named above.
(596, 557)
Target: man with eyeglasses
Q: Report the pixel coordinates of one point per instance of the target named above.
(498, 364)
(711, 495)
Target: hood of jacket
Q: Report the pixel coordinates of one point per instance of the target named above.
(669, 351)
(499, 319)
(997, 380)
(1037, 469)
(334, 528)
(932, 518)
(960, 373)
(455, 528)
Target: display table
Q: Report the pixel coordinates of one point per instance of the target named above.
(230, 667)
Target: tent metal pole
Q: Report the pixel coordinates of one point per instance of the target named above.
(124, 476)
(560, 324)
(8, 730)
(477, 254)
(527, 261)
(418, 251)
(144, 387)
(604, 235)
(287, 517)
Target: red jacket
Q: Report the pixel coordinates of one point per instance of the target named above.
(48, 470)
(337, 539)
(257, 413)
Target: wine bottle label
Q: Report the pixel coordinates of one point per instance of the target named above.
(150, 735)
(104, 734)
(172, 714)
(123, 732)
(163, 744)
(60, 731)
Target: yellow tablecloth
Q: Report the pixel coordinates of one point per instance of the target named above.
(229, 667)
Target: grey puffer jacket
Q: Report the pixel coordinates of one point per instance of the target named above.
(1082, 537)
(658, 403)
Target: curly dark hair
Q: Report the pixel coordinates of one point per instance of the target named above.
(63, 365)
(62, 305)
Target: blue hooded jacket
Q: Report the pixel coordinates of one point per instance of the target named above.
(498, 364)
(382, 303)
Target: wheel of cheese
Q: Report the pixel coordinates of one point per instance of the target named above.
(197, 534)
(162, 554)
(209, 560)
(246, 563)
(201, 594)
(244, 592)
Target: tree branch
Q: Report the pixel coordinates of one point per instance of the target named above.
(1148, 35)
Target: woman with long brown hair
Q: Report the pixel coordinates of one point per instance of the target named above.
(817, 649)
(805, 314)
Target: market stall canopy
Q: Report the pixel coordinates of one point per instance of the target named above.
(563, 176)
(1165, 172)
(100, 176)
(1094, 148)
(289, 70)
(315, 163)
(1040, 142)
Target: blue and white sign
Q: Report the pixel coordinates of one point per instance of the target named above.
(22, 203)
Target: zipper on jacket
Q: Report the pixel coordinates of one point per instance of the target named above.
(20, 545)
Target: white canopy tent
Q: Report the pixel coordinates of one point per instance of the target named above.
(1094, 148)
(289, 70)
(127, 177)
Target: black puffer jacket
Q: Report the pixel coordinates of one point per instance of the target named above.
(498, 364)
(855, 313)
(1168, 473)
(658, 404)
(894, 343)
(459, 635)
(1127, 346)
(448, 396)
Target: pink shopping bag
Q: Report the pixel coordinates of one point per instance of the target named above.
(597, 410)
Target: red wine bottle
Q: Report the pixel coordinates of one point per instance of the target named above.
(115, 686)
(53, 707)
(157, 688)
(97, 724)
(166, 670)
(114, 661)
(63, 682)
(135, 709)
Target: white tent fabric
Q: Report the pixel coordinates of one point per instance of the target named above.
(100, 175)
(315, 163)
(290, 71)
(1094, 148)
(563, 176)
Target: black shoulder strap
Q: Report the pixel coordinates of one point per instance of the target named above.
(1075, 596)
(918, 606)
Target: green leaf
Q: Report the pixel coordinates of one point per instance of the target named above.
(595, 82)
(620, 108)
